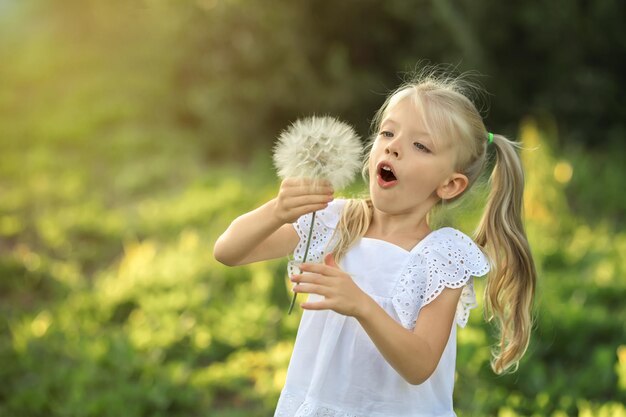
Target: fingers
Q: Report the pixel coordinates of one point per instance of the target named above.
(310, 283)
(307, 278)
(304, 204)
(320, 305)
(317, 268)
(300, 196)
(307, 186)
(319, 182)
(298, 211)
(295, 192)
(311, 289)
(306, 200)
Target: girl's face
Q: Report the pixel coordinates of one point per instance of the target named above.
(423, 166)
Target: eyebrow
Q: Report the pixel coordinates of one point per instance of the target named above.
(419, 132)
(389, 121)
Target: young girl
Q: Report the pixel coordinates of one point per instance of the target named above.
(377, 336)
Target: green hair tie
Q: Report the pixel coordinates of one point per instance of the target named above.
(490, 137)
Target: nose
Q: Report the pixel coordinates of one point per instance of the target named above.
(392, 147)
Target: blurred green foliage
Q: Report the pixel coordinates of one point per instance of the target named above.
(132, 133)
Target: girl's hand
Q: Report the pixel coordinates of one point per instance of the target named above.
(341, 292)
(299, 196)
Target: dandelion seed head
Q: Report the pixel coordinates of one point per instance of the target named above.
(319, 148)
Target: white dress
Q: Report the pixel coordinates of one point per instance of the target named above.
(335, 369)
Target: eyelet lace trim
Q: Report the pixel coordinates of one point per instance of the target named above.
(290, 405)
(450, 259)
(325, 222)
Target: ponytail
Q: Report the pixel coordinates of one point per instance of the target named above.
(510, 288)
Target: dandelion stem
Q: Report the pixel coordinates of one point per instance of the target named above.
(306, 252)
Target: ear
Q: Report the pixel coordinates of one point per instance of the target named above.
(454, 185)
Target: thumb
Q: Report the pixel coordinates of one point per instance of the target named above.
(329, 260)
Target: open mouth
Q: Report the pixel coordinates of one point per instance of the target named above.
(387, 174)
(386, 177)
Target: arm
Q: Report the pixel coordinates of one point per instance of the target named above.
(266, 232)
(414, 355)
(255, 236)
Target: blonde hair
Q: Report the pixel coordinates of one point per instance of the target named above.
(451, 116)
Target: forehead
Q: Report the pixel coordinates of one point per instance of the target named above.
(405, 111)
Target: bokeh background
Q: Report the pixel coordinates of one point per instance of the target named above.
(133, 132)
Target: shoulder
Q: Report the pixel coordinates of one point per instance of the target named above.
(447, 258)
(449, 249)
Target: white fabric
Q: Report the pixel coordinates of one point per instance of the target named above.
(335, 369)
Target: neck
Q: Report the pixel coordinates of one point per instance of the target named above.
(411, 223)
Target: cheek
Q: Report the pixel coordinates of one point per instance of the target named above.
(372, 153)
(375, 145)
(429, 176)
(373, 157)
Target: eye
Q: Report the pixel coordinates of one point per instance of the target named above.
(386, 134)
(421, 147)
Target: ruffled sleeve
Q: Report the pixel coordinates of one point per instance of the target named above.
(448, 259)
(325, 223)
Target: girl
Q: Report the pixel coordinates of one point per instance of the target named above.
(377, 336)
